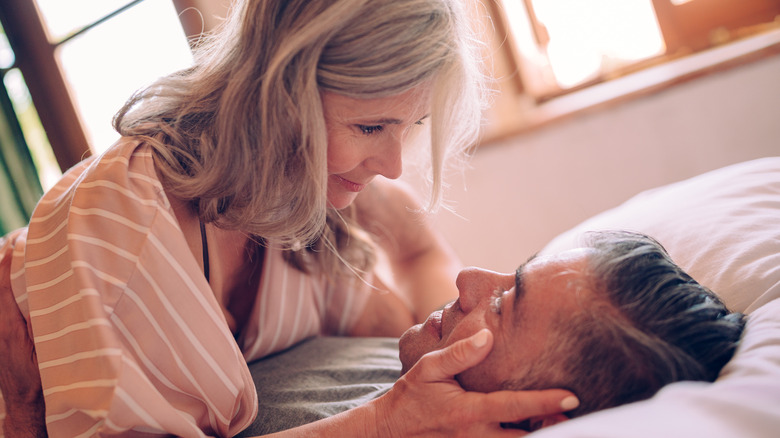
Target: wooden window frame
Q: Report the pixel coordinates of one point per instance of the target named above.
(525, 99)
(698, 25)
(36, 57)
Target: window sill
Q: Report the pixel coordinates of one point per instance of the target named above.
(511, 116)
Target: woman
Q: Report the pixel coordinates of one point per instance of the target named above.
(238, 214)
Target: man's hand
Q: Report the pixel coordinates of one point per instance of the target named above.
(20, 381)
(428, 401)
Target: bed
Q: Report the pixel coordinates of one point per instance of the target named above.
(722, 226)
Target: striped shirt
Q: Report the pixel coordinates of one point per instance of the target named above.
(128, 333)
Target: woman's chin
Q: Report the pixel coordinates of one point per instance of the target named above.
(341, 201)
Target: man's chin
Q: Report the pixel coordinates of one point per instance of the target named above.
(412, 346)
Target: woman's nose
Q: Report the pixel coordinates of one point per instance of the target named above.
(388, 160)
(476, 285)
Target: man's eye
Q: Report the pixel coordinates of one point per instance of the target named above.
(496, 300)
(370, 129)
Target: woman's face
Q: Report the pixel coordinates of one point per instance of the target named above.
(366, 138)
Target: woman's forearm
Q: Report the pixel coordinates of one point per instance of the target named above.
(361, 421)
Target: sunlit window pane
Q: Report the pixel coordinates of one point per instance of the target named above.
(62, 17)
(6, 54)
(589, 38)
(34, 135)
(107, 64)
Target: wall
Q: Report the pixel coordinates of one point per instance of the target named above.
(520, 193)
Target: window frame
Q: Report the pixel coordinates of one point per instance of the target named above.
(698, 25)
(524, 100)
(36, 58)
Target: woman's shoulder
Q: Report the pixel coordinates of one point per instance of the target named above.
(119, 185)
(129, 164)
(123, 172)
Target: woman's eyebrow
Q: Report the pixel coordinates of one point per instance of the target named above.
(384, 120)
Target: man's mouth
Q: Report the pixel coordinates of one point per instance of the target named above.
(434, 322)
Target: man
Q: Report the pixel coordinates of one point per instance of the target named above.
(612, 322)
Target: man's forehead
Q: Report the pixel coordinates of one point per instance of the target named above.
(569, 254)
(553, 284)
(571, 260)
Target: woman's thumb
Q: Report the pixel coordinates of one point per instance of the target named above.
(460, 356)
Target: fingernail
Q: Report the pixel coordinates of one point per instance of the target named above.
(480, 339)
(570, 403)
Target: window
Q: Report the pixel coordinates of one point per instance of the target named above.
(564, 44)
(553, 50)
(81, 59)
(573, 42)
(20, 185)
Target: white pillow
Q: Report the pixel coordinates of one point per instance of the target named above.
(743, 402)
(722, 227)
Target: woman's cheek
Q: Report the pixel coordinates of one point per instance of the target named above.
(343, 156)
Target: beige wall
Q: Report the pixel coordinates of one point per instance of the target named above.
(522, 192)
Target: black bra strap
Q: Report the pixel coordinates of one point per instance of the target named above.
(205, 245)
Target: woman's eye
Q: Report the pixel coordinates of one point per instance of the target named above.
(369, 129)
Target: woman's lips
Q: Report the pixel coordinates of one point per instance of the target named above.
(350, 186)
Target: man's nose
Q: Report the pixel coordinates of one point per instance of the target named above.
(475, 286)
(388, 160)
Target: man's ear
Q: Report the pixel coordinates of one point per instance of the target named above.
(535, 423)
(546, 421)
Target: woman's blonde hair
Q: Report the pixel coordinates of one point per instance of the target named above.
(242, 134)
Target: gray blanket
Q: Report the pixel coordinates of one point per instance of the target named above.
(321, 377)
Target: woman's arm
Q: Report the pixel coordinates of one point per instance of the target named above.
(422, 264)
(20, 382)
(427, 401)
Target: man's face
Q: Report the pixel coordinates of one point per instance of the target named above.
(520, 310)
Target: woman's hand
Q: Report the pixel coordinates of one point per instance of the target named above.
(428, 401)
(20, 381)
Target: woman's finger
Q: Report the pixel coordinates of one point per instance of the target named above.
(515, 406)
(454, 359)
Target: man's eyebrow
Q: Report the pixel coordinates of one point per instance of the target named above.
(519, 283)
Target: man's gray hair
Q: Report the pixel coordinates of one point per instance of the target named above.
(645, 324)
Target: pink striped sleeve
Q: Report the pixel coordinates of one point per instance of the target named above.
(128, 334)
